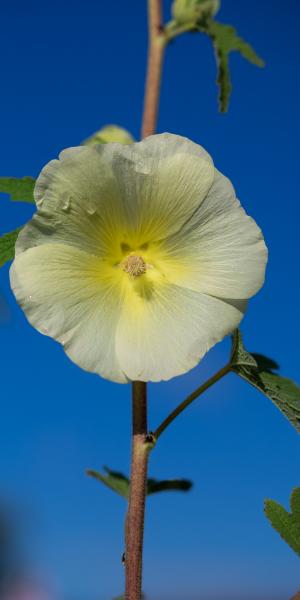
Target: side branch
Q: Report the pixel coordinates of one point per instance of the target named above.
(183, 405)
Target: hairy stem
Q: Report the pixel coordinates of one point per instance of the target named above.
(157, 43)
(138, 487)
(183, 405)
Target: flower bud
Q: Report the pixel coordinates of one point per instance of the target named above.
(108, 134)
(192, 11)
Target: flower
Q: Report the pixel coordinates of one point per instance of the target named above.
(139, 258)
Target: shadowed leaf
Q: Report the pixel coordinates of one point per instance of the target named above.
(286, 524)
(283, 392)
(19, 189)
(119, 483)
(168, 485)
(7, 246)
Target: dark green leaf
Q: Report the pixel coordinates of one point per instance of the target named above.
(225, 40)
(168, 485)
(7, 246)
(19, 189)
(287, 524)
(282, 391)
(119, 483)
(265, 363)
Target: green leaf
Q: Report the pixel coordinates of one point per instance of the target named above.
(286, 524)
(114, 480)
(109, 133)
(7, 246)
(282, 391)
(19, 189)
(119, 483)
(225, 40)
(239, 355)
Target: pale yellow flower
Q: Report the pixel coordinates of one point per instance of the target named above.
(139, 258)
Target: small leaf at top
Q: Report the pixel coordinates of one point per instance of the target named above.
(19, 189)
(282, 391)
(286, 524)
(225, 40)
(7, 246)
(109, 133)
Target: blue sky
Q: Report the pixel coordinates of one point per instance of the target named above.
(66, 71)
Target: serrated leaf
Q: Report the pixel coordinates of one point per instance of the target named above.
(225, 40)
(7, 246)
(119, 483)
(286, 524)
(168, 485)
(19, 189)
(282, 391)
(109, 133)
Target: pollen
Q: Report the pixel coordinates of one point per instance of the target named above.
(134, 265)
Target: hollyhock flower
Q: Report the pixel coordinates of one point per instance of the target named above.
(139, 258)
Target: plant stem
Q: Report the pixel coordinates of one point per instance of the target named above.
(183, 405)
(138, 487)
(140, 448)
(157, 43)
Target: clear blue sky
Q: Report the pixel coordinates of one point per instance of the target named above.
(66, 70)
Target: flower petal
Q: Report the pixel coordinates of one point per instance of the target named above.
(169, 331)
(78, 203)
(163, 180)
(70, 296)
(220, 251)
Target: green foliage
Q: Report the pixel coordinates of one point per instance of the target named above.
(7, 246)
(258, 370)
(187, 11)
(119, 483)
(109, 133)
(286, 524)
(114, 480)
(19, 189)
(226, 40)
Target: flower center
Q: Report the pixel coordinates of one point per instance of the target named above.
(134, 265)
